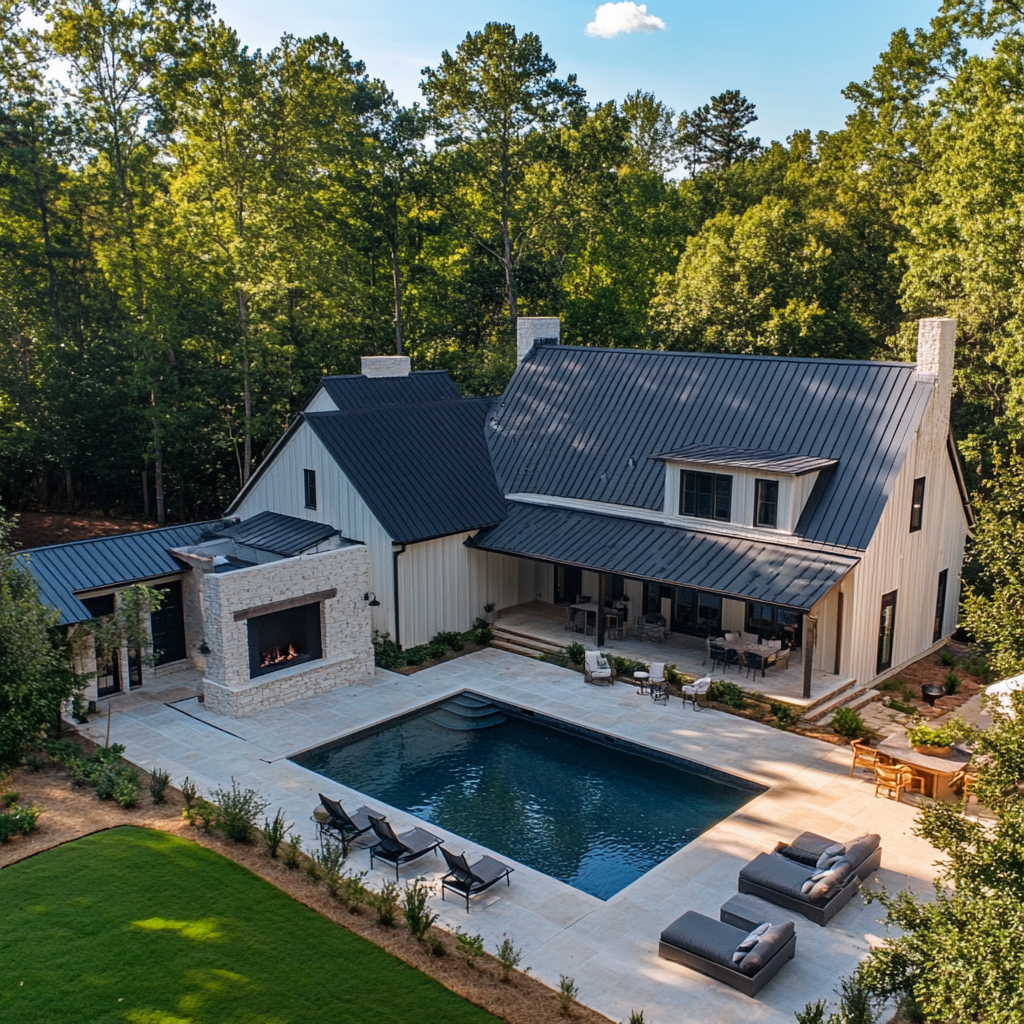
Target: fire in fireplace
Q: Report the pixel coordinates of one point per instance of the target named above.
(284, 638)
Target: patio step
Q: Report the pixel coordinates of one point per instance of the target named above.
(522, 640)
(827, 698)
(853, 698)
(527, 652)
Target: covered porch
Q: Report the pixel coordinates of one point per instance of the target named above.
(545, 622)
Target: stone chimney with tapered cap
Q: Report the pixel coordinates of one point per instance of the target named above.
(532, 331)
(386, 366)
(936, 345)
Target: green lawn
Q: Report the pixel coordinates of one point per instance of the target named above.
(138, 926)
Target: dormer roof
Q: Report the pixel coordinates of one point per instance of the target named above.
(746, 458)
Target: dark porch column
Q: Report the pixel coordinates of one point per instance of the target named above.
(810, 626)
(599, 628)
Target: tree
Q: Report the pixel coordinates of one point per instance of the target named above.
(715, 136)
(494, 104)
(960, 956)
(654, 143)
(36, 677)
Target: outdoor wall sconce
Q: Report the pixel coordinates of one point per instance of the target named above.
(371, 597)
(204, 648)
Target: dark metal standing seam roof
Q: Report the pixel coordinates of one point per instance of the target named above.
(354, 391)
(747, 458)
(62, 570)
(280, 534)
(423, 470)
(581, 423)
(735, 567)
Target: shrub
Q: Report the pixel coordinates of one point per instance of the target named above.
(330, 860)
(312, 866)
(385, 903)
(435, 945)
(481, 635)
(846, 722)
(292, 850)
(627, 666)
(189, 792)
(353, 891)
(977, 666)
(727, 693)
(117, 782)
(202, 811)
(953, 731)
(561, 659)
(470, 946)
(35, 762)
(951, 682)
(947, 658)
(18, 821)
(238, 811)
(8, 826)
(567, 994)
(63, 750)
(10, 798)
(416, 655)
(386, 653)
(159, 780)
(898, 705)
(451, 639)
(636, 1017)
(577, 652)
(274, 833)
(785, 714)
(437, 648)
(508, 956)
(417, 917)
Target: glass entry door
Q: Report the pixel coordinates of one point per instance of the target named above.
(108, 676)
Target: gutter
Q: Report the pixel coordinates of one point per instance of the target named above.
(394, 557)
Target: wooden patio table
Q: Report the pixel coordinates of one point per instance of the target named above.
(936, 771)
(592, 608)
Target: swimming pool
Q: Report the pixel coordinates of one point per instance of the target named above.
(583, 807)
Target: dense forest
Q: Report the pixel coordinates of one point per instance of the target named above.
(192, 232)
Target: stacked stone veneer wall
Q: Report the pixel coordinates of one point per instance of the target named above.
(345, 630)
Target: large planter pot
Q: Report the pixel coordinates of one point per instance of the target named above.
(934, 751)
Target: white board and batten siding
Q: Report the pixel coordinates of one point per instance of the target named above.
(280, 489)
(909, 563)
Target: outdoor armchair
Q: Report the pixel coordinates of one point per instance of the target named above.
(597, 669)
(698, 688)
(471, 880)
(400, 849)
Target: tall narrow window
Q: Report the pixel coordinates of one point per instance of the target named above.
(706, 496)
(886, 629)
(940, 607)
(309, 485)
(917, 505)
(766, 503)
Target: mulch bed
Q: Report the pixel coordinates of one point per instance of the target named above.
(931, 670)
(71, 812)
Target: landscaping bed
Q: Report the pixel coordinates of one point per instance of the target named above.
(70, 812)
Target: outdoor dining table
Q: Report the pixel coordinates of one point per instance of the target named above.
(936, 771)
(767, 655)
(591, 608)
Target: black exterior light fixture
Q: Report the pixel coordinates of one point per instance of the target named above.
(204, 648)
(371, 598)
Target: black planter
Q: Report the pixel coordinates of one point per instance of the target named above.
(931, 692)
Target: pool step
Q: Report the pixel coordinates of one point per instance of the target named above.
(462, 714)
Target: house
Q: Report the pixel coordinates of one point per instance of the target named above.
(817, 500)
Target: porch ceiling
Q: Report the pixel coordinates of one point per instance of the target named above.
(734, 567)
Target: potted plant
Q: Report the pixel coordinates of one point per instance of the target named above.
(938, 742)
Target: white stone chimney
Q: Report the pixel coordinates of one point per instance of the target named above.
(936, 344)
(534, 330)
(386, 366)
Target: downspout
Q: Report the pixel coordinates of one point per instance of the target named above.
(395, 553)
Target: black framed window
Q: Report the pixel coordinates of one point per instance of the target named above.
(772, 622)
(706, 496)
(766, 503)
(917, 505)
(940, 606)
(886, 631)
(309, 487)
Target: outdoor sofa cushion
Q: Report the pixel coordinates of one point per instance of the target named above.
(858, 851)
(809, 849)
(703, 936)
(779, 874)
(769, 944)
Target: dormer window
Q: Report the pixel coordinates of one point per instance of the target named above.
(766, 503)
(706, 496)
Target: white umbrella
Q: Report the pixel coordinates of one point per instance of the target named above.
(1000, 693)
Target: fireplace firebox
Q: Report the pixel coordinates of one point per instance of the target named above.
(282, 639)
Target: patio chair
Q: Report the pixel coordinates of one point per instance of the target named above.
(698, 688)
(724, 655)
(657, 683)
(895, 779)
(341, 825)
(965, 782)
(782, 653)
(753, 662)
(400, 849)
(597, 669)
(471, 880)
(863, 756)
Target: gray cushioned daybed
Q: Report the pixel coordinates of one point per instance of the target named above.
(834, 871)
(708, 946)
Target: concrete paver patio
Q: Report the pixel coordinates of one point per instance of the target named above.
(609, 947)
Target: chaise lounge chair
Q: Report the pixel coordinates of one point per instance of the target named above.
(400, 849)
(469, 880)
(813, 875)
(341, 825)
(737, 956)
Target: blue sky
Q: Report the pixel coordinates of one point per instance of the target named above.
(790, 57)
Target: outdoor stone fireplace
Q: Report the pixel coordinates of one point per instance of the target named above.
(281, 630)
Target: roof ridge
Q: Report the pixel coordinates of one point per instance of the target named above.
(368, 409)
(360, 376)
(114, 536)
(544, 349)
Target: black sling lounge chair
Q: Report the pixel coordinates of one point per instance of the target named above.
(400, 849)
(342, 825)
(471, 881)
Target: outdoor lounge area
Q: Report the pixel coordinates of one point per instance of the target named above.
(785, 680)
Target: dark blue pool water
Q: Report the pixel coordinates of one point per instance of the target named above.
(595, 817)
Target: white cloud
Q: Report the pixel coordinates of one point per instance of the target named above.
(615, 19)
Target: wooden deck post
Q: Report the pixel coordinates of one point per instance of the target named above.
(599, 626)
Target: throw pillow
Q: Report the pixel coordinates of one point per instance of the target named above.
(830, 880)
(602, 661)
(769, 945)
(827, 859)
(836, 848)
(749, 942)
